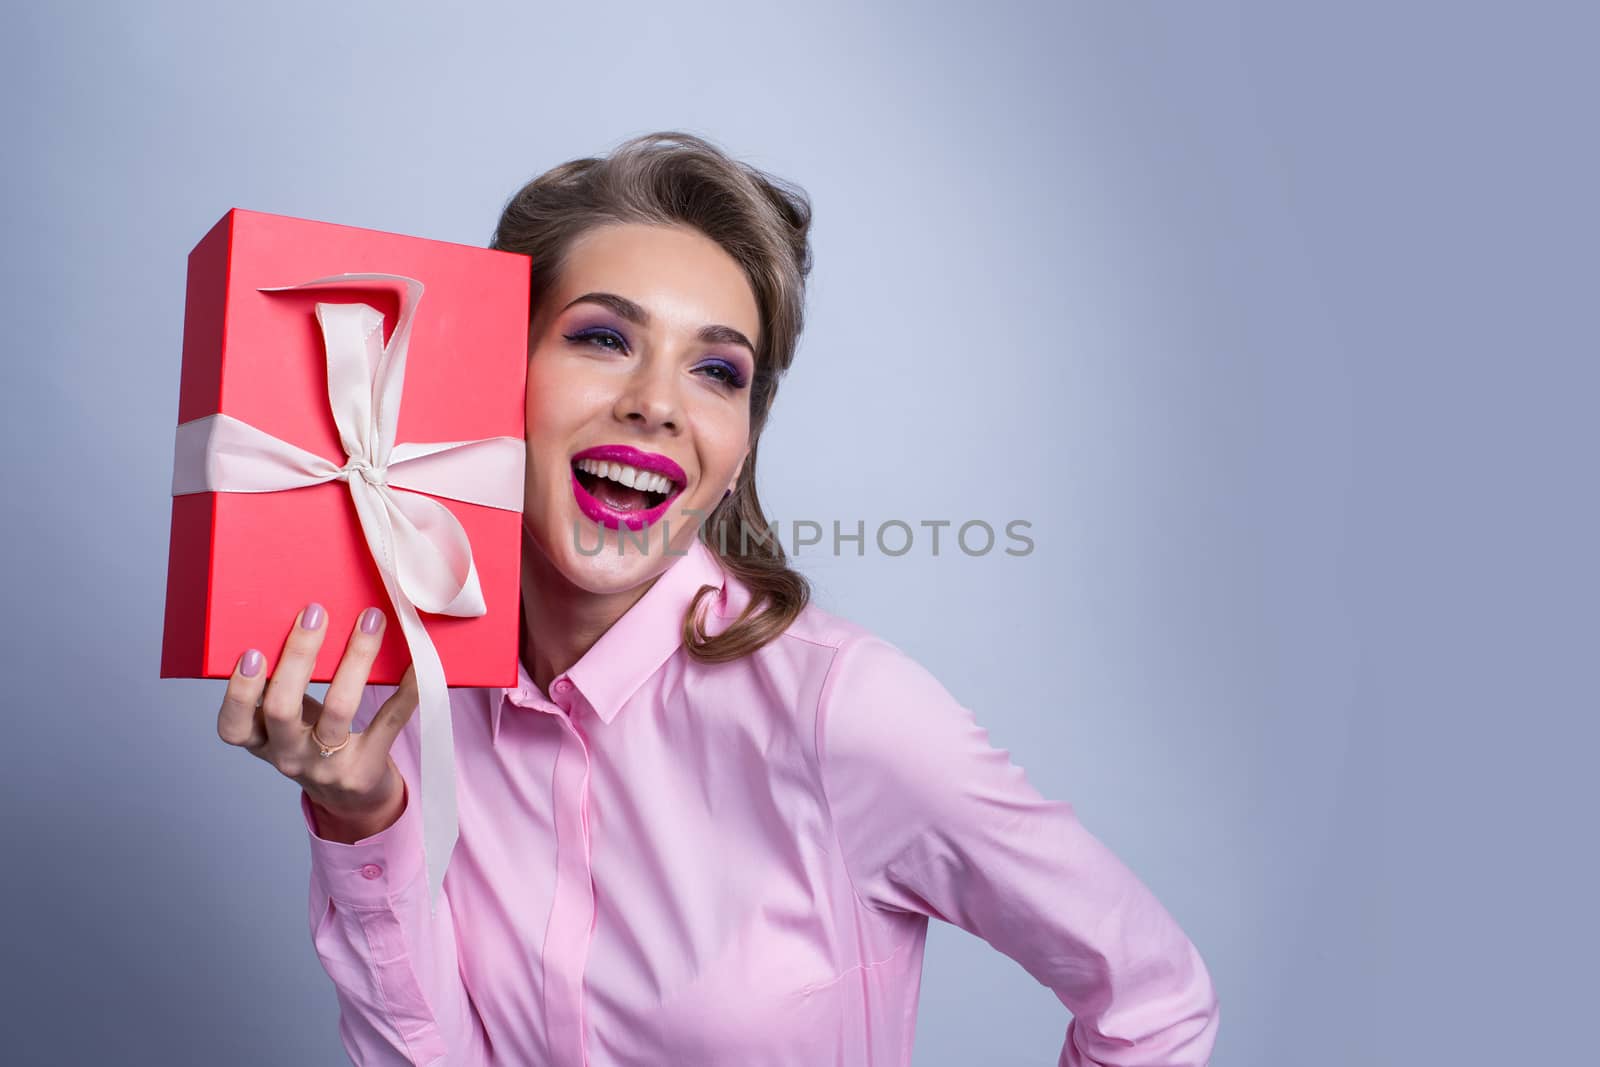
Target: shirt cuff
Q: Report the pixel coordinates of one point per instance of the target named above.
(372, 871)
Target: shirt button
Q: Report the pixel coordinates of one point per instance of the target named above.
(371, 871)
(563, 685)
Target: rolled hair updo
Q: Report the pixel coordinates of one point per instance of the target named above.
(678, 179)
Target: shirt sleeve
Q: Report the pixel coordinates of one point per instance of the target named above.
(393, 963)
(933, 820)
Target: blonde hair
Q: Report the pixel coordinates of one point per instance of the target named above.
(762, 222)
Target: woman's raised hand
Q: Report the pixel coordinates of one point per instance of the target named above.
(358, 790)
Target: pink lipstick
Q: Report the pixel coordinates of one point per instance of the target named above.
(614, 517)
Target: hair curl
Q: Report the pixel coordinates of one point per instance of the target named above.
(677, 178)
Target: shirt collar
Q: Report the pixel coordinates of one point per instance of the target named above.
(633, 649)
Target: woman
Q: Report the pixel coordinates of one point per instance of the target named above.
(710, 823)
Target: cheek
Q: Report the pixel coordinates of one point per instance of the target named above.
(548, 428)
(558, 399)
(723, 440)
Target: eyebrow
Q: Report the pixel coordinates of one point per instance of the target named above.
(714, 334)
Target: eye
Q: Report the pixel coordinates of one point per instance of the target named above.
(726, 373)
(597, 337)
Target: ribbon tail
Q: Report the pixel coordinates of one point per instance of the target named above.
(439, 819)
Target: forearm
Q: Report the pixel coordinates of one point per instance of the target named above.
(394, 962)
(933, 819)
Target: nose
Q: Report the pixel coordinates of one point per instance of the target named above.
(650, 398)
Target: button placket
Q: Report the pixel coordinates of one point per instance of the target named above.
(572, 912)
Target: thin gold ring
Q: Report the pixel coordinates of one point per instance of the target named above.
(322, 745)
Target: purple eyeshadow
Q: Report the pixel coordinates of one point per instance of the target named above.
(736, 376)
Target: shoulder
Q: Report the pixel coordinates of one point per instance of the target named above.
(850, 662)
(814, 630)
(881, 705)
(829, 667)
(813, 627)
(869, 695)
(897, 753)
(823, 629)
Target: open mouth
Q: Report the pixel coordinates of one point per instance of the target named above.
(620, 495)
(615, 494)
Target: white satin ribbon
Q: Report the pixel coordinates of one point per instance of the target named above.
(418, 544)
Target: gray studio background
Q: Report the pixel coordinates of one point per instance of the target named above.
(1265, 317)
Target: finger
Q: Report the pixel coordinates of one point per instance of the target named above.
(283, 706)
(392, 717)
(310, 712)
(344, 692)
(237, 720)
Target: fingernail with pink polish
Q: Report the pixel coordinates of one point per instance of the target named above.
(311, 618)
(250, 665)
(371, 619)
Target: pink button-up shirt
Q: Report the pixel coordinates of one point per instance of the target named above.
(666, 862)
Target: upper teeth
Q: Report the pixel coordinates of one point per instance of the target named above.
(632, 477)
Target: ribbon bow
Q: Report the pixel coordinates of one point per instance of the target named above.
(420, 548)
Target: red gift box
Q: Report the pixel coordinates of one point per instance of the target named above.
(243, 564)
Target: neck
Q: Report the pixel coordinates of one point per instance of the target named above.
(560, 621)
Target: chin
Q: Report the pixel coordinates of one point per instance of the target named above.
(607, 570)
(608, 573)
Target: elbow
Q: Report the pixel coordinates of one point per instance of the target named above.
(1183, 1012)
(1191, 1033)
(1168, 1018)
